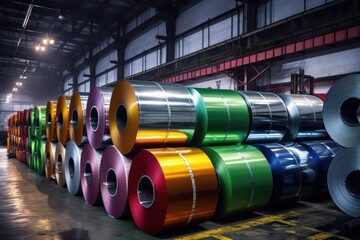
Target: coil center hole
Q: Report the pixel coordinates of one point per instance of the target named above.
(352, 183)
(350, 111)
(71, 167)
(146, 192)
(75, 119)
(88, 173)
(94, 118)
(59, 163)
(61, 120)
(121, 117)
(49, 119)
(111, 182)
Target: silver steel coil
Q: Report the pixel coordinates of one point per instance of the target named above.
(342, 111)
(344, 181)
(305, 117)
(269, 117)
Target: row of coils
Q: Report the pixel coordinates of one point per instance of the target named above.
(155, 163)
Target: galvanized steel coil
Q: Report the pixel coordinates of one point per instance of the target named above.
(90, 174)
(150, 114)
(171, 188)
(97, 117)
(222, 117)
(114, 175)
(305, 117)
(269, 117)
(60, 164)
(50, 149)
(51, 121)
(342, 111)
(294, 172)
(344, 181)
(62, 119)
(245, 178)
(72, 168)
(77, 115)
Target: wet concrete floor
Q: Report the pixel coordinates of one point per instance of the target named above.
(32, 207)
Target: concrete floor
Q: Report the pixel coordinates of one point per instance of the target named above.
(31, 207)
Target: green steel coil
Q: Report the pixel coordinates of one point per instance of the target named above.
(244, 176)
(31, 153)
(40, 167)
(40, 122)
(222, 117)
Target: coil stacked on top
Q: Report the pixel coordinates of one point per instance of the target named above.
(77, 113)
(114, 175)
(72, 168)
(344, 180)
(59, 164)
(97, 117)
(149, 114)
(222, 117)
(294, 171)
(305, 117)
(269, 117)
(90, 174)
(51, 121)
(62, 119)
(342, 111)
(50, 151)
(171, 187)
(245, 178)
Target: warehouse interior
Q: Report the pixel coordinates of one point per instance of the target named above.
(68, 68)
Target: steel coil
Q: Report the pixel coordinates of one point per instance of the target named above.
(40, 122)
(150, 114)
(50, 149)
(97, 117)
(323, 153)
(90, 174)
(51, 121)
(305, 117)
(294, 172)
(62, 119)
(60, 165)
(222, 117)
(114, 174)
(245, 178)
(32, 156)
(40, 157)
(342, 111)
(77, 113)
(32, 122)
(344, 181)
(72, 168)
(269, 117)
(171, 188)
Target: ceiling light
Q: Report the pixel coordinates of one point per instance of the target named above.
(18, 83)
(24, 77)
(9, 95)
(15, 89)
(42, 48)
(45, 41)
(37, 47)
(51, 41)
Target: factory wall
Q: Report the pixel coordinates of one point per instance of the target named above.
(324, 65)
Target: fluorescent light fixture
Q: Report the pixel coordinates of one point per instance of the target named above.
(15, 89)
(18, 83)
